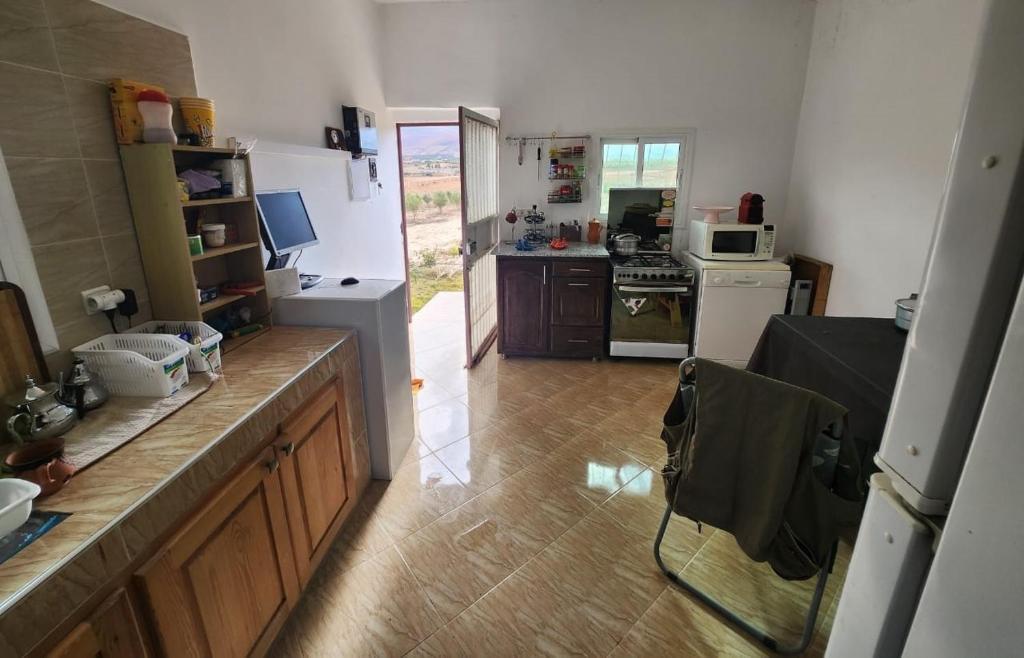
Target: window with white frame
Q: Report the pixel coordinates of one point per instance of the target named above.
(640, 162)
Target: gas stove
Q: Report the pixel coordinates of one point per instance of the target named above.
(660, 268)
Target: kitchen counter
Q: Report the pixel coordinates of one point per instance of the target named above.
(124, 504)
(574, 250)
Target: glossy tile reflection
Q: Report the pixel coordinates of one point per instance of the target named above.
(522, 523)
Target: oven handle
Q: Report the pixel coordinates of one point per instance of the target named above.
(653, 289)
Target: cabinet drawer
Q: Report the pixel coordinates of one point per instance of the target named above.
(577, 302)
(593, 267)
(577, 341)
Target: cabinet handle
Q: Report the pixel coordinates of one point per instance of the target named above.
(579, 285)
(288, 449)
(273, 465)
(545, 275)
(577, 340)
(579, 269)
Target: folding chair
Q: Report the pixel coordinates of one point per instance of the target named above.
(686, 377)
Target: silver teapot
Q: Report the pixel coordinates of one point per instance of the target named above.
(37, 413)
(81, 390)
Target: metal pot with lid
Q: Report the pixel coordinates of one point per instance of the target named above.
(626, 244)
(37, 413)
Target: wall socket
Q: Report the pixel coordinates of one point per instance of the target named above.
(101, 298)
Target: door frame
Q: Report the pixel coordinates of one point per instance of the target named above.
(401, 196)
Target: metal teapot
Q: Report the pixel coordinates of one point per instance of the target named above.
(81, 390)
(37, 413)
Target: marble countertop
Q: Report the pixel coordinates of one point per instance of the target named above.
(126, 501)
(574, 250)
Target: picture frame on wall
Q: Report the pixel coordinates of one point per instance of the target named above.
(335, 138)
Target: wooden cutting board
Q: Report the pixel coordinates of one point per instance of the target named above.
(820, 274)
(20, 353)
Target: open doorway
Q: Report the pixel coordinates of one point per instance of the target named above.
(431, 210)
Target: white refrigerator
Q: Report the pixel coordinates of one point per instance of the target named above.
(937, 569)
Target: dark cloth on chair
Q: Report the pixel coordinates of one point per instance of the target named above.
(741, 458)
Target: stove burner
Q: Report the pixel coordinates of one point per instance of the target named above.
(658, 268)
(651, 260)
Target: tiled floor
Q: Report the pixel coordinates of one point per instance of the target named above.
(522, 523)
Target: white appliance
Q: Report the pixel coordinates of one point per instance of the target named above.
(376, 309)
(739, 242)
(734, 302)
(936, 567)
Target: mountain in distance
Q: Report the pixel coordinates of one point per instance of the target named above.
(430, 142)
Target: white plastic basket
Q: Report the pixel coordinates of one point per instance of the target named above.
(138, 365)
(202, 357)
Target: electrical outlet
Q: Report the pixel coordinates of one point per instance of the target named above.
(91, 294)
(101, 298)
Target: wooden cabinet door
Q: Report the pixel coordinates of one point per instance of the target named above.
(577, 302)
(317, 469)
(523, 306)
(224, 583)
(81, 642)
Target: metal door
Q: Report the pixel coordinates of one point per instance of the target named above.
(478, 147)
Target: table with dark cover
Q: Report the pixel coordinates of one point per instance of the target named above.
(852, 361)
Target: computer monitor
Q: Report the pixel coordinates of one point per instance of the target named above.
(284, 225)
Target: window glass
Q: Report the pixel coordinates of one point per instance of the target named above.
(661, 165)
(618, 169)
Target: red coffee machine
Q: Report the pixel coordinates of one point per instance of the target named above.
(751, 209)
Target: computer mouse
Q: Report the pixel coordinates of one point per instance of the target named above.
(349, 281)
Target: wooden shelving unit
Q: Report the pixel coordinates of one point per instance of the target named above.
(230, 344)
(214, 252)
(216, 202)
(163, 223)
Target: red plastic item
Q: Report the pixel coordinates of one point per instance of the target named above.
(153, 95)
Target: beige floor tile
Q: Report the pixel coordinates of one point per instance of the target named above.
(443, 423)
(677, 625)
(465, 553)
(593, 465)
(417, 451)
(419, 493)
(431, 394)
(752, 589)
(640, 505)
(488, 456)
(374, 609)
(462, 555)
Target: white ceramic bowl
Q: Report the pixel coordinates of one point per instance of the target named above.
(15, 503)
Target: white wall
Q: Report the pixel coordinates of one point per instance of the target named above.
(731, 69)
(281, 72)
(884, 92)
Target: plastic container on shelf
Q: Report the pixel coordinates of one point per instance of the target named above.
(203, 356)
(137, 365)
(214, 235)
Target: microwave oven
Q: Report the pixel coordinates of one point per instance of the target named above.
(732, 241)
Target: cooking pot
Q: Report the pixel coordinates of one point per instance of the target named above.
(626, 244)
(905, 312)
(37, 413)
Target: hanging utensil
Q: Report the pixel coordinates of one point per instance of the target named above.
(521, 146)
(538, 163)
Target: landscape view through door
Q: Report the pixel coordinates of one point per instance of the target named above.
(432, 205)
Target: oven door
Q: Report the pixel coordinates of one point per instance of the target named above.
(651, 320)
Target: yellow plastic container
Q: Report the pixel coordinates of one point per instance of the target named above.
(198, 116)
